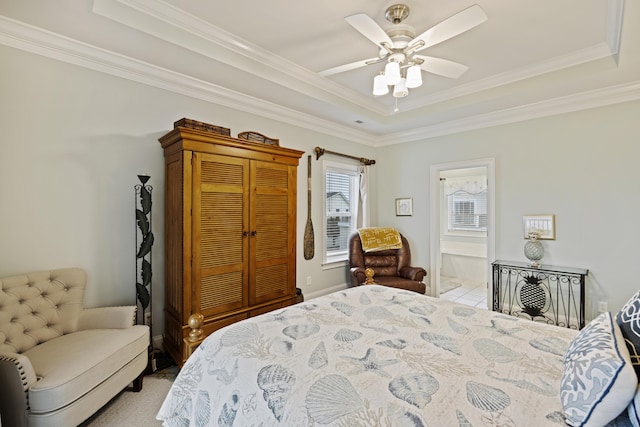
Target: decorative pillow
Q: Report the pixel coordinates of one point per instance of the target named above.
(598, 381)
(374, 239)
(628, 318)
(634, 410)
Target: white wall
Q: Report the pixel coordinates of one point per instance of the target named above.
(462, 254)
(582, 167)
(73, 141)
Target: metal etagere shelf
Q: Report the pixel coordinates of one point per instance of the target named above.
(554, 295)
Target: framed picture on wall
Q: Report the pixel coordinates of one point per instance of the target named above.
(544, 225)
(404, 206)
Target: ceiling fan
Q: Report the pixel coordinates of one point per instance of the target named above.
(398, 46)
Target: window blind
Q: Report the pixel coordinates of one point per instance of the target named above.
(341, 202)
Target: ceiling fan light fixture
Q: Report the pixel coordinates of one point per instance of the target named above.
(380, 85)
(392, 73)
(414, 76)
(400, 89)
(398, 48)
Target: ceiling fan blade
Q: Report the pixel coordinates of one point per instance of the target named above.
(451, 27)
(442, 67)
(348, 67)
(368, 28)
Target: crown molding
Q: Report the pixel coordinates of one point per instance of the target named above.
(35, 40)
(592, 53)
(32, 39)
(610, 95)
(598, 51)
(174, 25)
(291, 75)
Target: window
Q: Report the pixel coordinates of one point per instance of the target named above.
(466, 204)
(467, 212)
(340, 207)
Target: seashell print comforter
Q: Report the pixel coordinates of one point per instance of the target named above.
(373, 356)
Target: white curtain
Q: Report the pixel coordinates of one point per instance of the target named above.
(363, 199)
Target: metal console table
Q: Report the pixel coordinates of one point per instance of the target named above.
(554, 295)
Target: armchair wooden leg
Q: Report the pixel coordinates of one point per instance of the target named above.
(137, 383)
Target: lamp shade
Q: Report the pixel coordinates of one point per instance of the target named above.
(400, 89)
(392, 73)
(380, 85)
(414, 76)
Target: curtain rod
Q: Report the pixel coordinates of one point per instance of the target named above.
(320, 151)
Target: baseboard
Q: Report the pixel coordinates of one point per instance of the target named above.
(157, 342)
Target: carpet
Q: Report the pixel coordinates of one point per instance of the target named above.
(136, 409)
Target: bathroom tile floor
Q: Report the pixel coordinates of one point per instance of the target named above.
(469, 292)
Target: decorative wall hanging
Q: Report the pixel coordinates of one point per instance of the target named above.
(404, 207)
(309, 239)
(144, 243)
(544, 225)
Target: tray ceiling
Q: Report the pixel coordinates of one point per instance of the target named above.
(530, 58)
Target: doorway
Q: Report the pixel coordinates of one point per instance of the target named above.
(462, 229)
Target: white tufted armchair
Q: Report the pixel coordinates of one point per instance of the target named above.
(60, 362)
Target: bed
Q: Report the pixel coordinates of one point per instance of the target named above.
(378, 356)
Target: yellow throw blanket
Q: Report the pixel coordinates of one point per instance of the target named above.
(379, 239)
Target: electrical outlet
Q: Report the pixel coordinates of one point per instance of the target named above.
(308, 280)
(602, 307)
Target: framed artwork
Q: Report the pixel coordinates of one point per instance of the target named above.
(404, 207)
(545, 225)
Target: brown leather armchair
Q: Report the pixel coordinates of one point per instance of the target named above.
(391, 267)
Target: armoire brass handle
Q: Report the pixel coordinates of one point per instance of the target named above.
(245, 233)
(253, 233)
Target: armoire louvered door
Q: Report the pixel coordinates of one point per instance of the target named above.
(220, 233)
(271, 242)
(230, 231)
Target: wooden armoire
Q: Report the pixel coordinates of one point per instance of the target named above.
(230, 231)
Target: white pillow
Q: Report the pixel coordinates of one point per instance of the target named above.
(598, 380)
(634, 410)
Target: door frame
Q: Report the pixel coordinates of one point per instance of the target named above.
(434, 223)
